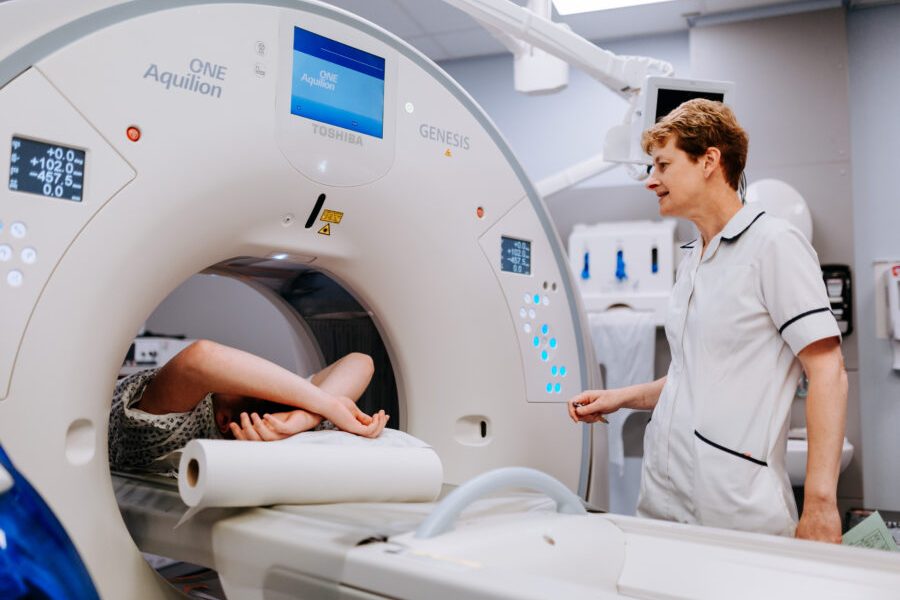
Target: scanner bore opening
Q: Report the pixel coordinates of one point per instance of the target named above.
(318, 312)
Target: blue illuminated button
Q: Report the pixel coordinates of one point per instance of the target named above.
(545, 329)
(549, 388)
(537, 299)
(557, 388)
(544, 355)
(536, 341)
(562, 371)
(553, 342)
(554, 370)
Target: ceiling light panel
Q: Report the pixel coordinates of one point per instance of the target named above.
(574, 7)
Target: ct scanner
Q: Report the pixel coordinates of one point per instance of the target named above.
(150, 140)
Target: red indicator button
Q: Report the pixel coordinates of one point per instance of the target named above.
(133, 133)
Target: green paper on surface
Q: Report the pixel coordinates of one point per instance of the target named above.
(871, 533)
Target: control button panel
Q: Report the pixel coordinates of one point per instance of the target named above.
(14, 255)
(538, 306)
(544, 342)
(36, 227)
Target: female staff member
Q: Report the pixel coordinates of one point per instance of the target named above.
(748, 311)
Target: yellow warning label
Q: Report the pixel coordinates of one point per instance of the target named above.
(326, 229)
(447, 153)
(332, 216)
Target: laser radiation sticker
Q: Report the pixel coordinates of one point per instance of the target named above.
(326, 229)
(332, 216)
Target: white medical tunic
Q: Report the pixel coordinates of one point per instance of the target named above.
(714, 450)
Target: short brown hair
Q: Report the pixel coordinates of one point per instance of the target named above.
(700, 124)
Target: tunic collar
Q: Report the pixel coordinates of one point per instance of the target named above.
(741, 222)
(734, 229)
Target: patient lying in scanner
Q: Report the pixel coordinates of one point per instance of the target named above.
(213, 391)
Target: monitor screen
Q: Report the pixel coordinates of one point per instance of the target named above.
(337, 84)
(515, 256)
(45, 169)
(668, 100)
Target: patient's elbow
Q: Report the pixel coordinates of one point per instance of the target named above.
(194, 359)
(362, 363)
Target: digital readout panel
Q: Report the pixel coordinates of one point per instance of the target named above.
(337, 84)
(515, 256)
(46, 169)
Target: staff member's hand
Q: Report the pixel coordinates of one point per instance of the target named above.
(591, 406)
(820, 522)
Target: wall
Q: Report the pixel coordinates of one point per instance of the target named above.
(874, 88)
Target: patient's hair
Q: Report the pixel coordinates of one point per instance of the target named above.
(700, 124)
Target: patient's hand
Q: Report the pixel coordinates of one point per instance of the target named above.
(376, 426)
(273, 427)
(346, 416)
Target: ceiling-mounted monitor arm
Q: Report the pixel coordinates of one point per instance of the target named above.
(624, 75)
(543, 51)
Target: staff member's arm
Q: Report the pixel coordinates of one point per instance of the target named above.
(590, 406)
(826, 413)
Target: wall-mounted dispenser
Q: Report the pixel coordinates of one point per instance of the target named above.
(840, 295)
(626, 263)
(892, 278)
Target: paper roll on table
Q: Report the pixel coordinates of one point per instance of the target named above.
(315, 468)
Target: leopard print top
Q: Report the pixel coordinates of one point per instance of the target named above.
(140, 441)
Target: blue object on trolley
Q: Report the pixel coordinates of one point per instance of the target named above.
(37, 558)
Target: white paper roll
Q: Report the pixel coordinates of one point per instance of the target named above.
(234, 473)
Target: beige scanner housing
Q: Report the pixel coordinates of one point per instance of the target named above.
(224, 174)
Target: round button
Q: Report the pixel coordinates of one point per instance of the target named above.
(536, 341)
(549, 388)
(545, 329)
(531, 314)
(527, 298)
(553, 342)
(546, 301)
(562, 371)
(6, 252)
(18, 230)
(28, 255)
(14, 278)
(557, 388)
(523, 313)
(544, 355)
(537, 299)
(554, 370)
(527, 327)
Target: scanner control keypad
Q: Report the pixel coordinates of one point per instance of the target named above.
(543, 341)
(15, 254)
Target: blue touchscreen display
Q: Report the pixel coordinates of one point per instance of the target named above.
(337, 84)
